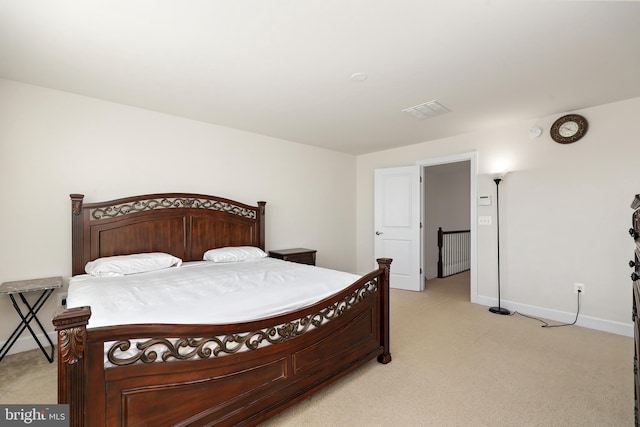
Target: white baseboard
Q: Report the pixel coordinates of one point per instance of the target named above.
(26, 342)
(618, 328)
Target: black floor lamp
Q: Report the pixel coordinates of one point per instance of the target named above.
(499, 309)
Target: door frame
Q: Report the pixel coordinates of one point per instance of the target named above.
(472, 157)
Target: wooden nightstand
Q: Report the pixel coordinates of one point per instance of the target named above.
(299, 255)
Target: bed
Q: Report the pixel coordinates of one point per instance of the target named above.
(185, 374)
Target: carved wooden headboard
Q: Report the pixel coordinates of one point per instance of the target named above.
(182, 224)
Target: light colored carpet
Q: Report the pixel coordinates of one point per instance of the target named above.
(28, 378)
(454, 364)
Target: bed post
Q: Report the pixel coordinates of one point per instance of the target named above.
(71, 326)
(261, 212)
(77, 237)
(384, 264)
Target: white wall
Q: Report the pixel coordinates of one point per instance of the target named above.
(564, 213)
(565, 207)
(54, 143)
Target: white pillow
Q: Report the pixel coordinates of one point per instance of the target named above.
(234, 254)
(131, 264)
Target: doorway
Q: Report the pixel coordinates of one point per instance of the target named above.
(448, 200)
(400, 203)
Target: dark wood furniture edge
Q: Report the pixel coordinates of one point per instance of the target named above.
(384, 265)
(291, 251)
(634, 231)
(77, 234)
(301, 255)
(71, 325)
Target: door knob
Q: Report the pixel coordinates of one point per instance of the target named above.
(379, 233)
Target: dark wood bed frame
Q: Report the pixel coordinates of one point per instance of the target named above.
(256, 369)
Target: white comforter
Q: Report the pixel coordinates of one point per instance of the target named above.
(205, 292)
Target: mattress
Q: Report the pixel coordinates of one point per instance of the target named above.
(205, 292)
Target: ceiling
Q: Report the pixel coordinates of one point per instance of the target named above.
(282, 68)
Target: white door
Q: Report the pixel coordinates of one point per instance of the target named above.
(397, 224)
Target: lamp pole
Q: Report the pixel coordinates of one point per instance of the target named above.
(499, 309)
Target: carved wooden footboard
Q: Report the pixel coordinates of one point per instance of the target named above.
(249, 371)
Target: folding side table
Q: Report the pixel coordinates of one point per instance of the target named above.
(46, 287)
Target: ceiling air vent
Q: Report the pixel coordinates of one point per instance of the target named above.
(426, 110)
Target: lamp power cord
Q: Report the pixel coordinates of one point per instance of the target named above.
(547, 325)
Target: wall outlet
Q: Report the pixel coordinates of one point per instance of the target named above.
(62, 300)
(578, 287)
(484, 220)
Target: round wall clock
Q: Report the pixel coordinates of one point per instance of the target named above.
(569, 128)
